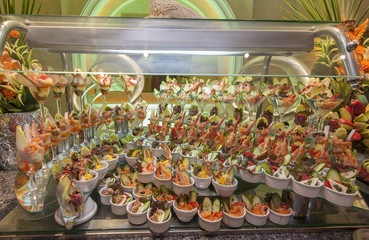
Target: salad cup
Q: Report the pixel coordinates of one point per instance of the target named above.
(146, 177)
(225, 190)
(210, 226)
(131, 160)
(119, 209)
(184, 216)
(232, 221)
(176, 156)
(202, 183)
(170, 203)
(158, 227)
(342, 199)
(136, 218)
(257, 220)
(105, 199)
(121, 157)
(87, 185)
(280, 219)
(128, 189)
(102, 171)
(191, 158)
(166, 182)
(254, 177)
(112, 163)
(136, 196)
(179, 189)
(275, 182)
(306, 190)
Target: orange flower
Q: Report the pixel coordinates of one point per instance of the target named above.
(9, 94)
(14, 34)
(360, 51)
(365, 64)
(11, 66)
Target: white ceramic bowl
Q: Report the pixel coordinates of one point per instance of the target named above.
(136, 196)
(254, 177)
(184, 216)
(179, 189)
(210, 226)
(158, 227)
(105, 199)
(99, 187)
(202, 183)
(131, 160)
(191, 158)
(232, 221)
(117, 177)
(280, 219)
(102, 171)
(121, 157)
(128, 189)
(131, 145)
(146, 177)
(170, 203)
(119, 209)
(112, 163)
(342, 199)
(157, 152)
(275, 182)
(225, 190)
(136, 218)
(306, 190)
(166, 182)
(256, 220)
(89, 185)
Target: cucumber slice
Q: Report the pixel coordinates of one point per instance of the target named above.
(287, 159)
(169, 170)
(256, 151)
(143, 163)
(233, 199)
(119, 170)
(146, 206)
(126, 167)
(256, 199)
(134, 177)
(333, 175)
(206, 204)
(258, 168)
(226, 204)
(186, 175)
(125, 179)
(166, 214)
(216, 205)
(148, 186)
(245, 200)
(234, 161)
(315, 175)
(319, 167)
(266, 168)
(164, 189)
(187, 161)
(276, 201)
(193, 196)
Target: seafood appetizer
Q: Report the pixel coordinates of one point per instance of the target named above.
(187, 202)
(140, 205)
(211, 210)
(275, 203)
(163, 194)
(119, 197)
(254, 204)
(233, 207)
(159, 212)
(143, 190)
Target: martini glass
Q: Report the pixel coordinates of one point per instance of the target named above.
(85, 125)
(79, 83)
(141, 113)
(52, 128)
(203, 97)
(75, 128)
(283, 99)
(104, 82)
(59, 88)
(322, 105)
(95, 122)
(29, 157)
(118, 119)
(253, 101)
(63, 125)
(130, 84)
(107, 119)
(227, 101)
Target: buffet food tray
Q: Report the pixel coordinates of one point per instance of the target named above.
(18, 222)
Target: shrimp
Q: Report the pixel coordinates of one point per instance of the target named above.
(162, 173)
(280, 148)
(168, 153)
(349, 160)
(149, 168)
(181, 179)
(322, 156)
(300, 151)
(340, 145)
(237, 211)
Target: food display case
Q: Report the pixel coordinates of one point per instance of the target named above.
(150, 51)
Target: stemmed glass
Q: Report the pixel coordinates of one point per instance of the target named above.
(70, 200)
(253, 100)
(95, 121)
(53, 129)
(130, 85)
(104, 82)
(29, 158)
(107, 119)
(79, 83)
(118, 119)
(59, 88)
(75, 128)
(141, 112)
(85, 124)
(203, 97)
(63, 125)
(227, 98)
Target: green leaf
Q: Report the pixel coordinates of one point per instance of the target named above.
(10, 88)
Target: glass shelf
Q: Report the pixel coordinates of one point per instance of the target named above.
(181, 47)
(105, 221)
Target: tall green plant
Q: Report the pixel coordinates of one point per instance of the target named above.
(327, 10)
(28, 7)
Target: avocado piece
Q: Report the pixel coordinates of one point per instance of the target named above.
(186, 175)
(166, 214)
(164, 189)
(216, 205)
(206, 204)
(125, 179)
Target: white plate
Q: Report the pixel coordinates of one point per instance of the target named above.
(89, 210)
